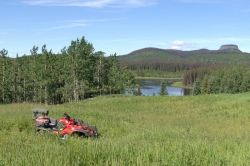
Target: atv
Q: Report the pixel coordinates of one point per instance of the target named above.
(62, 127)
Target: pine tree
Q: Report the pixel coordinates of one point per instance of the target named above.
(204, 86)
(163, 91)
(197, 88)
(245, 86)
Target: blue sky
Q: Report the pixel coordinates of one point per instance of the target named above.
(122, 26)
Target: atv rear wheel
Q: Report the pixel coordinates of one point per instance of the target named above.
(42, 131)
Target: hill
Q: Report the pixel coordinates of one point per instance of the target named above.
(226, 53)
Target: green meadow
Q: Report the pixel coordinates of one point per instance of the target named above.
(207, 130)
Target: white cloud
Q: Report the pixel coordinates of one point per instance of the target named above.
(38, 40)
(178, 44)
(91, 3)
(77, 23)
(70, 25)
(85, 21)
(204, 1)
(176, 47)
(5, 32)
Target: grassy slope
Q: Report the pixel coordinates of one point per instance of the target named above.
(184, 130)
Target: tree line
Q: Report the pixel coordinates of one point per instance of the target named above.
(227, 79)
(190, 76)
(164, 65)
(144, 68)
(75, 74)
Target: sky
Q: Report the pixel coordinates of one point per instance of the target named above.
(123, 26)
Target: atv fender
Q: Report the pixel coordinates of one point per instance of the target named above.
(81, 133)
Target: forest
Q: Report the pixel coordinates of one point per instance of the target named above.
(228, 79)
(75, 74)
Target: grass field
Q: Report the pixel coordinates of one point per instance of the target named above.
(147, 131)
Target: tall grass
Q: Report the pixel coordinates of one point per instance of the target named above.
(183, 130)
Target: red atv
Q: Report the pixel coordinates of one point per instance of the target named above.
(63, 127)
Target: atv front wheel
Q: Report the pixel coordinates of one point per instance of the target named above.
(92, 131)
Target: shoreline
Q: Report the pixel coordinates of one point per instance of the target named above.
(180, 85)
(158, 78)
(176, 83)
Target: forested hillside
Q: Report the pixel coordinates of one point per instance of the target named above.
(171, 54)
(75, 74)
(153, 61)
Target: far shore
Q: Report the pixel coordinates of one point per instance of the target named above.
(180, 85)
(177, 81)
(158, 78)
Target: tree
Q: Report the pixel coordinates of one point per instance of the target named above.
(245, 86)
(75, 74)
(197, 87)
(81, 67)
(127, 81)
(204, 85)
(100, 73)
(163, 90)
(6, 72)
(114, 75)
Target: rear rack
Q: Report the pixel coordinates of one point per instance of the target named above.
(36, 112)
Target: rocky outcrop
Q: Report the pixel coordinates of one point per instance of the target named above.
(229, 47)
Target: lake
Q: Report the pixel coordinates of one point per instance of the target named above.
(152, 86)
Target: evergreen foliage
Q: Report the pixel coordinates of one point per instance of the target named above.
(75, 74)
(230, 79)
(197, 88)
(163, 89)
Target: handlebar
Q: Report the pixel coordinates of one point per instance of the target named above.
(66, 115)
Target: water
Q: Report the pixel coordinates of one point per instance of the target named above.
(151, 87)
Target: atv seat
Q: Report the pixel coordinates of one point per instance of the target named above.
(53, 122)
